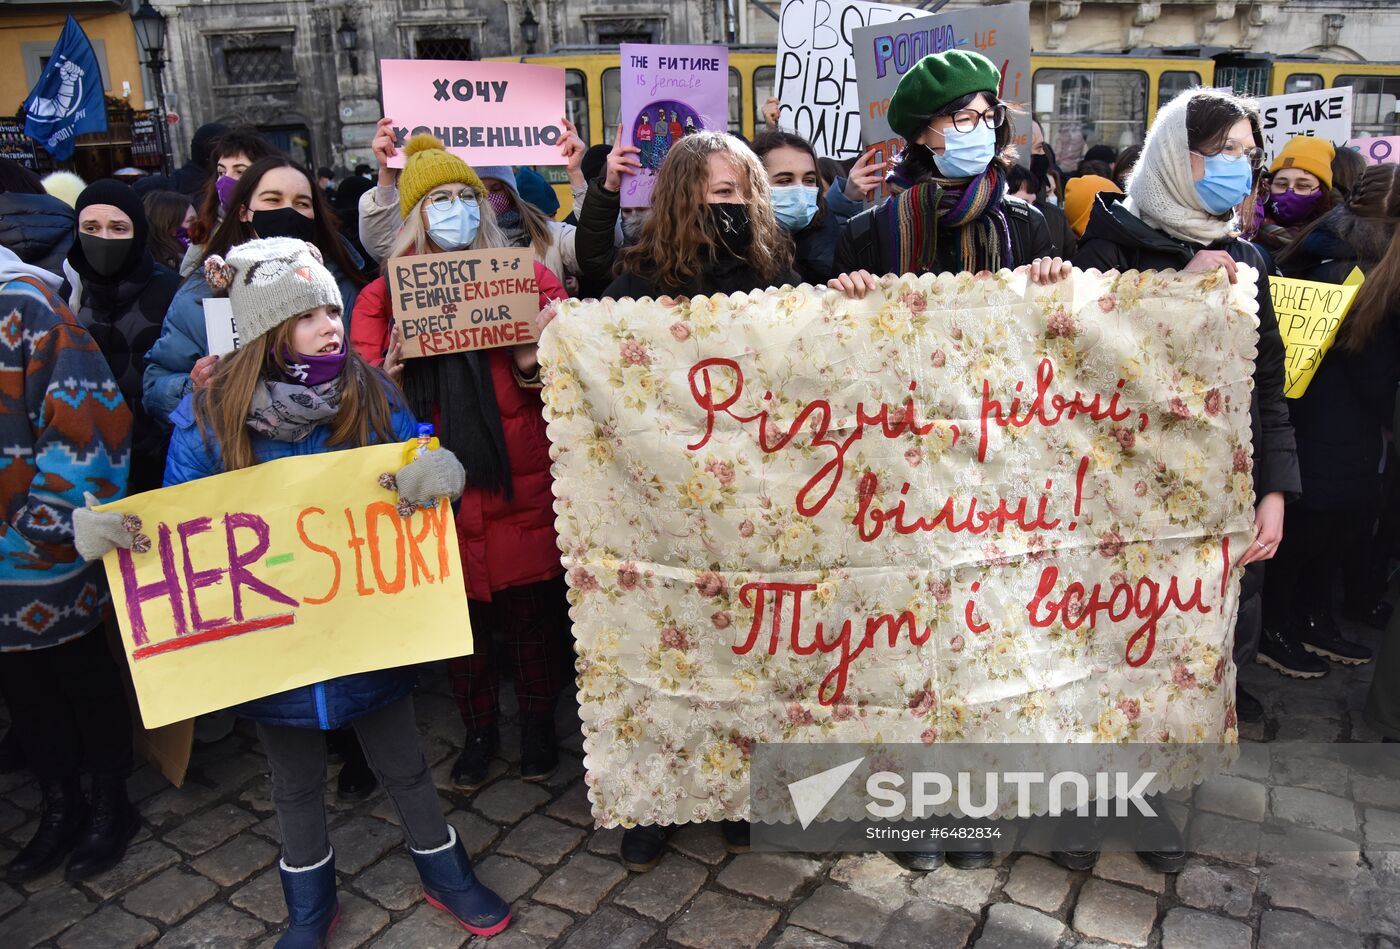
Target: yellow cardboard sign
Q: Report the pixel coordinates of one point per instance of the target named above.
(281, 575)
(1308, 316)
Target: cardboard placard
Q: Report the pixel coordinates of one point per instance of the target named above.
(219, 329)
(245, 590)
(816, 82)
(485, 113)
(1309, 314)
(1377, 151)
(669, 92)
(463, 300)
(1325, 113)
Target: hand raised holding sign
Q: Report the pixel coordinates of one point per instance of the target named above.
(771, 108)
(385, 147)
(621, 162)
(393, 359)
(572, 148)
(865, 177)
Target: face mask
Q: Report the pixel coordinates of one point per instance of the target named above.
(224, 187)
(1290, 208)
(455, 227)
(1052, 199)
(966, 154)
(284, 222)
(105, 255)
(182, 234)
(632, 227)
(1226, 183)
(795, 205)
(313, 370)
(731, 222)
(500, 201)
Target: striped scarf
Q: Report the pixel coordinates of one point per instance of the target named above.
(972, 211)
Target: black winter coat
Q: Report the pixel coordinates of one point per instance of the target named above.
(1061, 234)
(39, 228)
(595, 240)
(730, 275)
(1341, 419)
(124, 319)
(1116, 239)
(863, 245)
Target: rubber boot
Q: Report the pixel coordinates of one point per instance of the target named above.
(111, 824)
(60, 826)
(312, 907)
(451, 886)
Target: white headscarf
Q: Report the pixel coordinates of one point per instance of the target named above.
(1161, 191)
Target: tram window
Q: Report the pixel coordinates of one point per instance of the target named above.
(763, 78)
(1079, 109)
(1174, 82)
(576, 102)
(1373, 104)
(736, 101)
(1302, 82)
(612, 103)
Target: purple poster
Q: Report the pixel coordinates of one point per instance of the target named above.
(669, 92)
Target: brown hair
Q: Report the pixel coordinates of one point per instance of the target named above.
(1376, 198)
(1347, 166)
(240, 140)
(679, 235)
(165, 211)
(221, 408)
(771, 140)
(233, 230)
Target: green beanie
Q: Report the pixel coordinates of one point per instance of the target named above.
(935, 81)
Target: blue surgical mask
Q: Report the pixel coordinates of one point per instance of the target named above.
(966, 154)
(455, 227)
(1226, 183)
(795, 205)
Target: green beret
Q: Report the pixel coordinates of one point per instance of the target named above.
(935, 81)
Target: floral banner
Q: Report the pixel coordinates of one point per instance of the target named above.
(963, 509)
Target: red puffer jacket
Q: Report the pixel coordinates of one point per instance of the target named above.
(504, 543)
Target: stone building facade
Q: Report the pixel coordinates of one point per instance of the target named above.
(281, 65)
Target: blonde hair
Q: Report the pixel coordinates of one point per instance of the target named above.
(414, 239)
(679, 234)
(221, 408)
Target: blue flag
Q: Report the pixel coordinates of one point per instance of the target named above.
(67, 100)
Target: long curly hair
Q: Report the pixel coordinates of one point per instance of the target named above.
(679, 235)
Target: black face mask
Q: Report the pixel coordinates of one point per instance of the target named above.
(284, 222)
(731, 223)
(105, 255)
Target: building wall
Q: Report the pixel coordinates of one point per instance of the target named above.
(112, 37)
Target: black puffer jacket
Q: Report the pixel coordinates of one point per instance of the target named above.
(37, 227)
(1341, 419)
(729, 275)
(1115, 239)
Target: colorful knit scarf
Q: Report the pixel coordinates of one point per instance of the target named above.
(972, 211)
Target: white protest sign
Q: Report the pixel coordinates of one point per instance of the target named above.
(1325, 113)
(218, 326)
(817, 74)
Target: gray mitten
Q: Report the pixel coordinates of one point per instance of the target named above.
(434, 475)
(96, 534)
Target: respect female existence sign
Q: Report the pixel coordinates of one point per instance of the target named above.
(963, 509)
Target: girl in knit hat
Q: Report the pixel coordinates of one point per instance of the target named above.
(487, 408)
(294, 388)
(1198, 164)
(1300, 191)
(948, 215)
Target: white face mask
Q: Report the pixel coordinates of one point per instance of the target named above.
(1053, 199)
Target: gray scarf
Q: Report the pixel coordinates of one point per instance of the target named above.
(287, 412)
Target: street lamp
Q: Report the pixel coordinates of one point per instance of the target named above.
(150, 31)
(529, 30)
(349, 37)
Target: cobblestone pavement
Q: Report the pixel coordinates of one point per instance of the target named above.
(202, 872)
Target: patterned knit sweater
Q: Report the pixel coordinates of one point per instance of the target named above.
(64, 429)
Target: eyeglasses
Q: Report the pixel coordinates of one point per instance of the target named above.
(444, 202)
(1235, 150)
(1297, 187)
(967, 119)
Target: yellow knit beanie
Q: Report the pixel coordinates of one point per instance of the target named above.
(1313, 155)
(428, 165)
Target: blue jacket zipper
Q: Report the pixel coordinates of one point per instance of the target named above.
(321, 714)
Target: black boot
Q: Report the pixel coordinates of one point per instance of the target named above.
(1321, 637)
(1077, 841)
(970, 859)
(1248, 709)
(642, 846)
(356, 781)
(1279, 651)
(60, 826)
(11, 753)
(469, 773)
(920, 861)
(539, 751)
(736, 835)
(1161, 845)
(111, 824)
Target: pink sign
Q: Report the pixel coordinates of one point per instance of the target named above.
(485, 113)
(1378, 151)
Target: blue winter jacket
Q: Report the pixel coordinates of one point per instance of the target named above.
(325, 705)
(183, 341)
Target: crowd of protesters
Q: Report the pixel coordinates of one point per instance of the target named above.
(110, 389)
